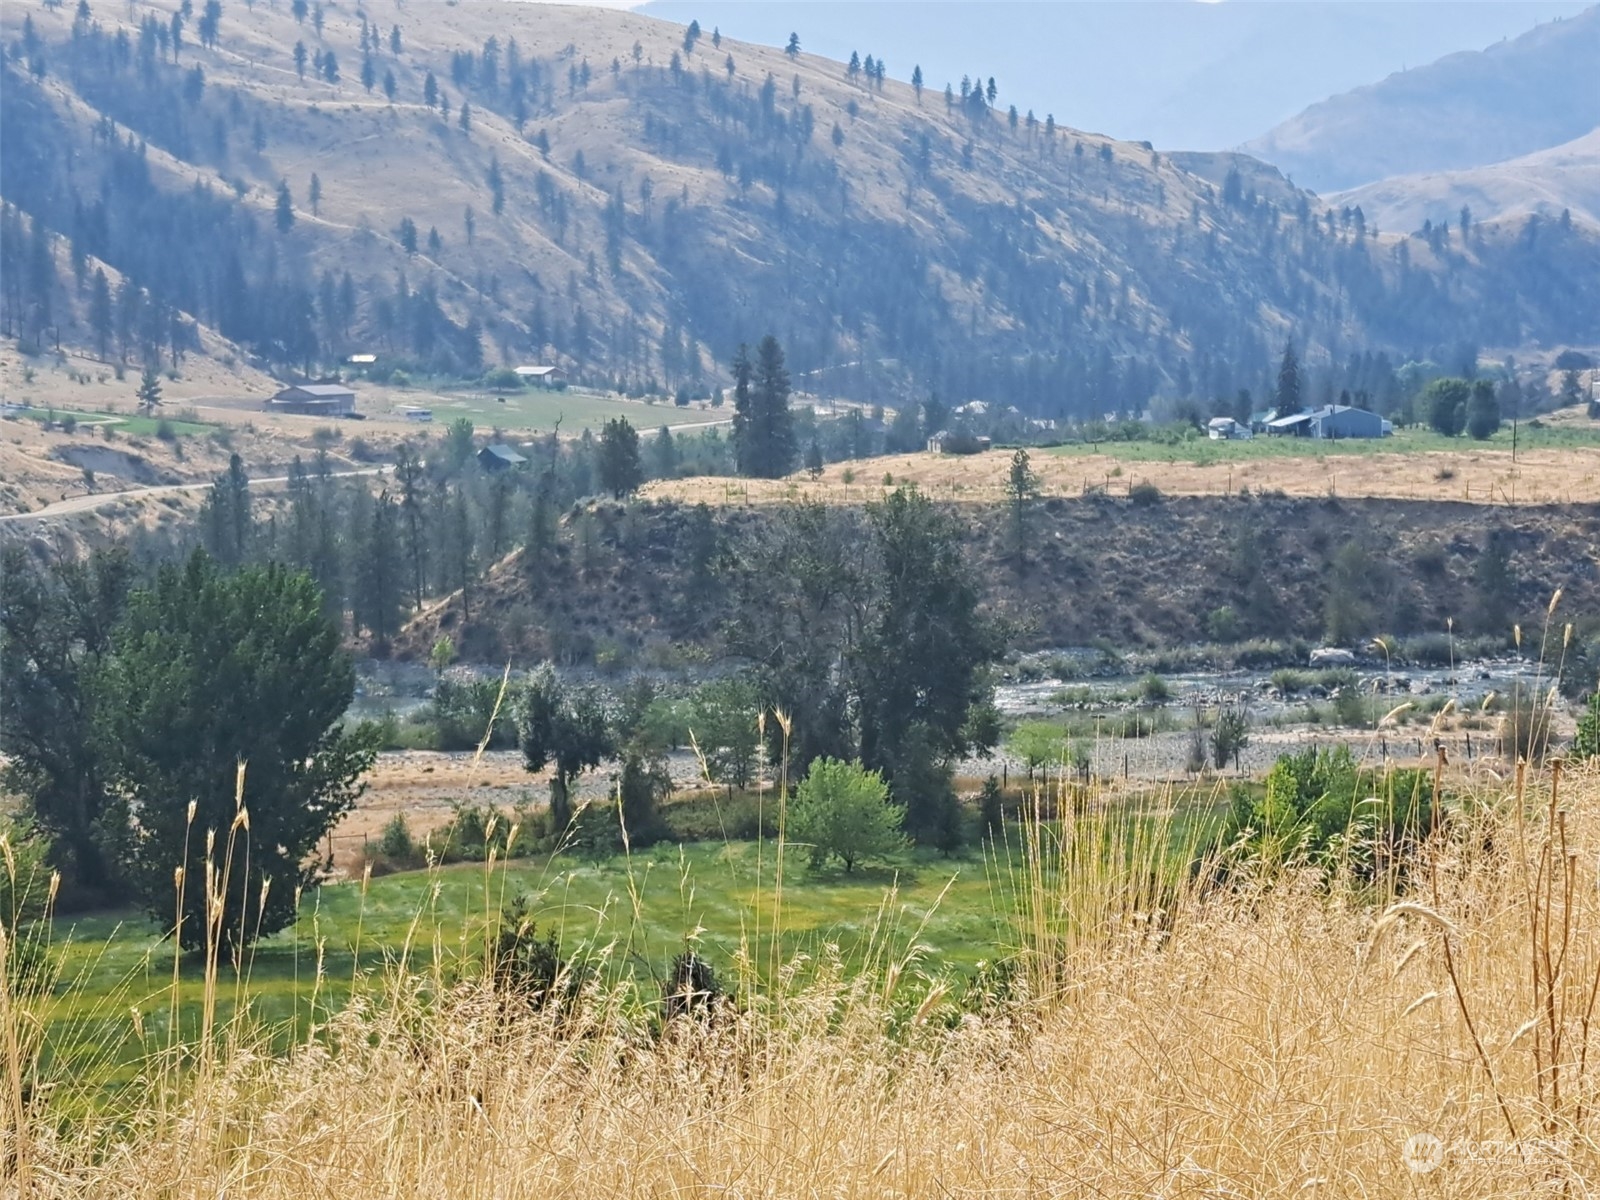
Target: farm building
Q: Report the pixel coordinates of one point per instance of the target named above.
(1331, 422)
(315, 399)
(499, 457)
(544, 376)
(1224, 429)
(956, 441)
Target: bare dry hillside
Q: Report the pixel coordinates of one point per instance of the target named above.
(591, 187)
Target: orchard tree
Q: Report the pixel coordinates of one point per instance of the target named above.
(843, 811)
(222, 710)
(564, 728)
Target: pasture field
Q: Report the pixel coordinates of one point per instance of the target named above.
(538, 409)
(1556, 463)
(117, 998)
(122, 422)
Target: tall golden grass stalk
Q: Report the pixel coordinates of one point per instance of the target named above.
(1173, 1033)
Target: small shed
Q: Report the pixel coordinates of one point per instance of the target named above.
(499, 457)
(315, 399)
(957, 441)
(544, 376)
(1225, 429)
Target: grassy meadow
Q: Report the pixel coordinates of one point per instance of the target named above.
(637, 910)
(535, 409)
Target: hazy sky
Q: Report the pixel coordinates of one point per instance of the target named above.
(1184, 74)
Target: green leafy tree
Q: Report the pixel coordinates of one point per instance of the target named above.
(841, 810)
(441, 656)
(1482, 411)
(1038, 745)
(225, 699)
(643, 784)
(565, 728)
(618, 461)
(1445, 403)
(1229, 736)
(722, 721)
(1586, 742)
(56, 626)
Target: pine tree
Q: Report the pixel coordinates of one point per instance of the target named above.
(430, 91)
(776, 421)
(283, 215)
(100, 314)
(149, 394)
(300, 59)
(315, 195)
(793, 48)
(375, 604)
(369, 73)
(618, 463)
(389, 85)
(1287, 396)
(916, 81)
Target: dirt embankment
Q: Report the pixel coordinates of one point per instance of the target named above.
(622, 581)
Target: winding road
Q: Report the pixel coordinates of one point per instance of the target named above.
(93, 500)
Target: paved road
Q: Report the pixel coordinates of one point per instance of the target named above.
(88, 503)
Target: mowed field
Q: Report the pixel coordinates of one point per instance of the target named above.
(1557, 463)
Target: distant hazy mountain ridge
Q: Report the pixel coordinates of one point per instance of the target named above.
(1465, 111)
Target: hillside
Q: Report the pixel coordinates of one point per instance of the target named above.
(1562, 179)
(634, 209)
(624, 584)
(1465, 110)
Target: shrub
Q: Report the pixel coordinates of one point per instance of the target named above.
(1223, 624)
(529, 966)
(1319, 807)
(165, 431)
(1351, 709)
(1525, 727)
(691, 987)
(465, 712)
(1154, 690)
(396, 849)
(991, 807)
(1144, 494)
(841, 810)
(644, 783)
(1586, 742)
(1038, 745)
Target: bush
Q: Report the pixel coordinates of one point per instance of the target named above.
(691, 987)
(991, 807)
(165, 431)
(529, 966)
(396, 849)
(644, 784)
(1144, 494)
(1319, 807)
(1223, 624)
(1525, 728)
(1154, 690)
(841, 810)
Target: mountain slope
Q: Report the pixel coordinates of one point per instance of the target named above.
(1466, 110)
(1549, 182)
(634, 209)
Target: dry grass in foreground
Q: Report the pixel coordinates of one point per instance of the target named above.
(1285, 1038)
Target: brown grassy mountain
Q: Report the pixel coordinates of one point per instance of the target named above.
(1562, 179)
(1465, 110)
(894, 244)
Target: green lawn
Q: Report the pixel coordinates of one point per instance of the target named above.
(121, 422)
(720, 897)
(538, 409)
(1202, 451)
